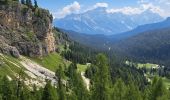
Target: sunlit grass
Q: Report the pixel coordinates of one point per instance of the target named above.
(51, 61)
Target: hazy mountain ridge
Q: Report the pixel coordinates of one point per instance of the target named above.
(144, 28)
(86, 39)
(98, 21)
(148, 42)
(106, 42)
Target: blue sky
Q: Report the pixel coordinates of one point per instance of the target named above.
(58, 4)
(62, 8)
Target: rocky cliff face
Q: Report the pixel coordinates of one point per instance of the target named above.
(26, 31)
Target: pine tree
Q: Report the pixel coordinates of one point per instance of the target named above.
(65, 46)
(101, 84)
(6, 90)
(133, 92)
(23, 2)
(29, 3)
(35, 4)
(20, 84)
(76, 83)
(61, 90)
(146, 93)
(80, 88)
(119, 90)
(71, 70)
(49, 92)
(158, 90)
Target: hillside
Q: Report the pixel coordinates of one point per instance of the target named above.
(26, 36)
(98, 41)
(29, 44)
(42, 62)
(151, 46)
(23, 32)
(31, 70)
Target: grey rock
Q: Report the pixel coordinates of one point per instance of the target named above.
(7, 49)
(14, 52)
(26, 32)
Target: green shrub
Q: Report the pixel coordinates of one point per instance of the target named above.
(30, 35)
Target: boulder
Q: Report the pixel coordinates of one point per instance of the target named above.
(14, 52)
(7, 49)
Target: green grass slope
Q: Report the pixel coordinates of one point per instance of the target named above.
(51, 62)
(9, 66)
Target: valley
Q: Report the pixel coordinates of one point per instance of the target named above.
(147, 43)
(73, 53)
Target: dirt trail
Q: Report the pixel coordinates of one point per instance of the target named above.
(86, 80)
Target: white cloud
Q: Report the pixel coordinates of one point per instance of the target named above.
(165, 5)
(69, 9)
(143, 5)
(100, 4)
(153, 8)
(126, 10)
(97, 5)
(137, 10)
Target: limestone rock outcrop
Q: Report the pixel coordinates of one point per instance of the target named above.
(25, 31)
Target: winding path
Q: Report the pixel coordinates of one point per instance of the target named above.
(86, 80)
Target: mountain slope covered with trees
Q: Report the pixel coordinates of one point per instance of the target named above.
(40, 62)
(151, 46)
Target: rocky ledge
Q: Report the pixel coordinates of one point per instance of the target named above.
(25, 31)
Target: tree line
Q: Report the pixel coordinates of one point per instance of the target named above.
(78, 53)
(70, 86)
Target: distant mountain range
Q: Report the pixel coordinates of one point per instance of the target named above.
(142, 28)
(99, 21)
(106, 42)
(146, 43)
